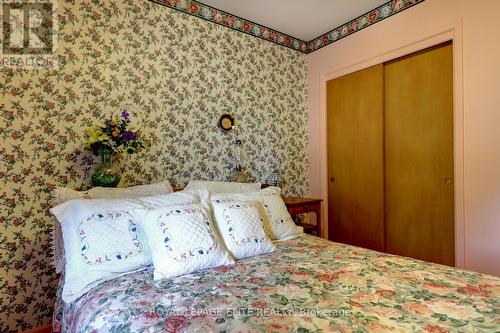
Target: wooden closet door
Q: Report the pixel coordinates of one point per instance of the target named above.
(355, 158)
(419, 156)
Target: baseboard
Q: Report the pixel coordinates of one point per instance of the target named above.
(43, 329)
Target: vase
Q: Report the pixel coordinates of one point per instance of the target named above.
(107, 174)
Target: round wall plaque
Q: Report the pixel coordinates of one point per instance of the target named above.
(227, 123)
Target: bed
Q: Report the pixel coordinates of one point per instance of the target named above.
(308, 285)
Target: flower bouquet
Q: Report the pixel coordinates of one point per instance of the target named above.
(110, 140)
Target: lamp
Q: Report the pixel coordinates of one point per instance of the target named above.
(240, 174)
(275, 179)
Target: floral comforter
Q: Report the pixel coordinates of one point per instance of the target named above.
(307, 285)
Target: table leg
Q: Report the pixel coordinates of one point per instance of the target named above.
(318, 222)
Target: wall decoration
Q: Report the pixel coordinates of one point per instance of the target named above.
(171, 67)
(374, 16)
(234, 22)
(227, 123)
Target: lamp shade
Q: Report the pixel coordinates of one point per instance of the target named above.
(275, 179)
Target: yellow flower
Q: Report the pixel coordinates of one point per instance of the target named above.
(95, 134)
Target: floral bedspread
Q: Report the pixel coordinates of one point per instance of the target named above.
(307, 285)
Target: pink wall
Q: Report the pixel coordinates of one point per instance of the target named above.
(474, 27)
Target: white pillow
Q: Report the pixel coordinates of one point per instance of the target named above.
(102, 238)
(182, 240)
(241, 224)
(280, 223)
(222, 187)
(63, 194)
(176, 198)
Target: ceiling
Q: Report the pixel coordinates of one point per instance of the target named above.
(303, 19)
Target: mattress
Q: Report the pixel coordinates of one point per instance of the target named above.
(307, 285)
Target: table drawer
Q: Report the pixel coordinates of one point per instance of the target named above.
(294, 210)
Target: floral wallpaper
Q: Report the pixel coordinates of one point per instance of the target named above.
(180, 73)
(218, 16)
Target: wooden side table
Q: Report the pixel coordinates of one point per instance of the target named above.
(297, 206)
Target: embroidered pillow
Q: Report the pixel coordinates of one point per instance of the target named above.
(279, 224)
(241, 224)
(63, 194)
(222, 187)
(182, 240)
(102, 240)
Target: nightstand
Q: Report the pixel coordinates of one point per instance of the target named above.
(297, 206)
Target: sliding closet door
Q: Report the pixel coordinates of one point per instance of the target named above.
(355, 158)
(419, 156)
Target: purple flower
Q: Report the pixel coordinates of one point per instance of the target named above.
(129, 136)
(125, 115)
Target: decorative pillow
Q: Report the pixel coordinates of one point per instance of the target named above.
(63, 194)
(222, 187)
(182, 240)
(279, 223)
(105, 230)
(102, 240)
(241, 224)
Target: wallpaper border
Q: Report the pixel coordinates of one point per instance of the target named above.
(237, 23)
(234, 22)
(361, 22)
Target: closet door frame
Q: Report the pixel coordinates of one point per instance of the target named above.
(455, 36)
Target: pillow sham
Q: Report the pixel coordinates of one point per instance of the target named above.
(222, 187)
(176, 198)
(241, 225)
(182, 240)
(279, 224)
(102, 238)
(63, 194)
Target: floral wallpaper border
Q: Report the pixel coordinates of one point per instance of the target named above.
(234, 22)
(376, 15)
(237, 23)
